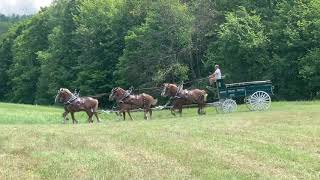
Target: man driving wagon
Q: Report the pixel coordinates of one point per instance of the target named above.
(215, 76)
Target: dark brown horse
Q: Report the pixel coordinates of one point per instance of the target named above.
(180, 97)
(127, 102)
(73, 103)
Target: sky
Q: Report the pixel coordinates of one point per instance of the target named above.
(22, 7)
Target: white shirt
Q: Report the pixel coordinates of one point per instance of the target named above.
(217, 74)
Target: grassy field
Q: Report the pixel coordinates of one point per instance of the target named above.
(282, 143)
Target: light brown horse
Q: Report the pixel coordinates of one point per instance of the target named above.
(127, 102)
(180, 97)
(73, 103)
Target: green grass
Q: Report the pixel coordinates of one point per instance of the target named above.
(282, 143)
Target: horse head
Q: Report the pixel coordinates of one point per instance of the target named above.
(169, 90)
(164, 90)
(111, 96)
(116, 93)
(63, 95)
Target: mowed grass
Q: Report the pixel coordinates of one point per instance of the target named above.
(281, 143)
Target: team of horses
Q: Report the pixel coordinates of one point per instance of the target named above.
(126, 101)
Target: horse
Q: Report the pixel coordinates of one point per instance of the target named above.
(126, 102)
(180, 97)
(73, 103)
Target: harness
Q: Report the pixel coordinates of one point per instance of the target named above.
(73, 98)
(127, 94)
(182, 91)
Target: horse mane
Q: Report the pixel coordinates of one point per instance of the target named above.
(66, 90)
(119, 88)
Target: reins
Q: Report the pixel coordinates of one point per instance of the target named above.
(147, 88)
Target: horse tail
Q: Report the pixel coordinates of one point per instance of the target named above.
(155, 101)
(204, 96)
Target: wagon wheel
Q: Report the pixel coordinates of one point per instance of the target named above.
(259, 101)
(229, 106)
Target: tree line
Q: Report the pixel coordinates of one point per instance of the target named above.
(7, 21)
(95, 45)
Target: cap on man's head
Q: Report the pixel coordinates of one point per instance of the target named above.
(216, 65)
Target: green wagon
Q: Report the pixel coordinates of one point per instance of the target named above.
(256, 95)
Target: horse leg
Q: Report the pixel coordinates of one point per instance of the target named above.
(145, 114)
(202, 110)
(65, 116)
(73, 119)
(119, 115)
(150, 113)
(96, 115)
(90, 114)
(179, 108)
(199, 110)
(124, 115)
(129, 115)
(173, 111)
(180, 111)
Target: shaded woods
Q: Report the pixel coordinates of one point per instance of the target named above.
(95, 45)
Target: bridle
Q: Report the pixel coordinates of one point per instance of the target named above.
(70, 100)
(124, 95)
(164, 91)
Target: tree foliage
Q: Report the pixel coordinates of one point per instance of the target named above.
(240, 47)
(164, 40)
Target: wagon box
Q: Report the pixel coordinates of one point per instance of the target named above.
(243, 89)
(256, 94)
